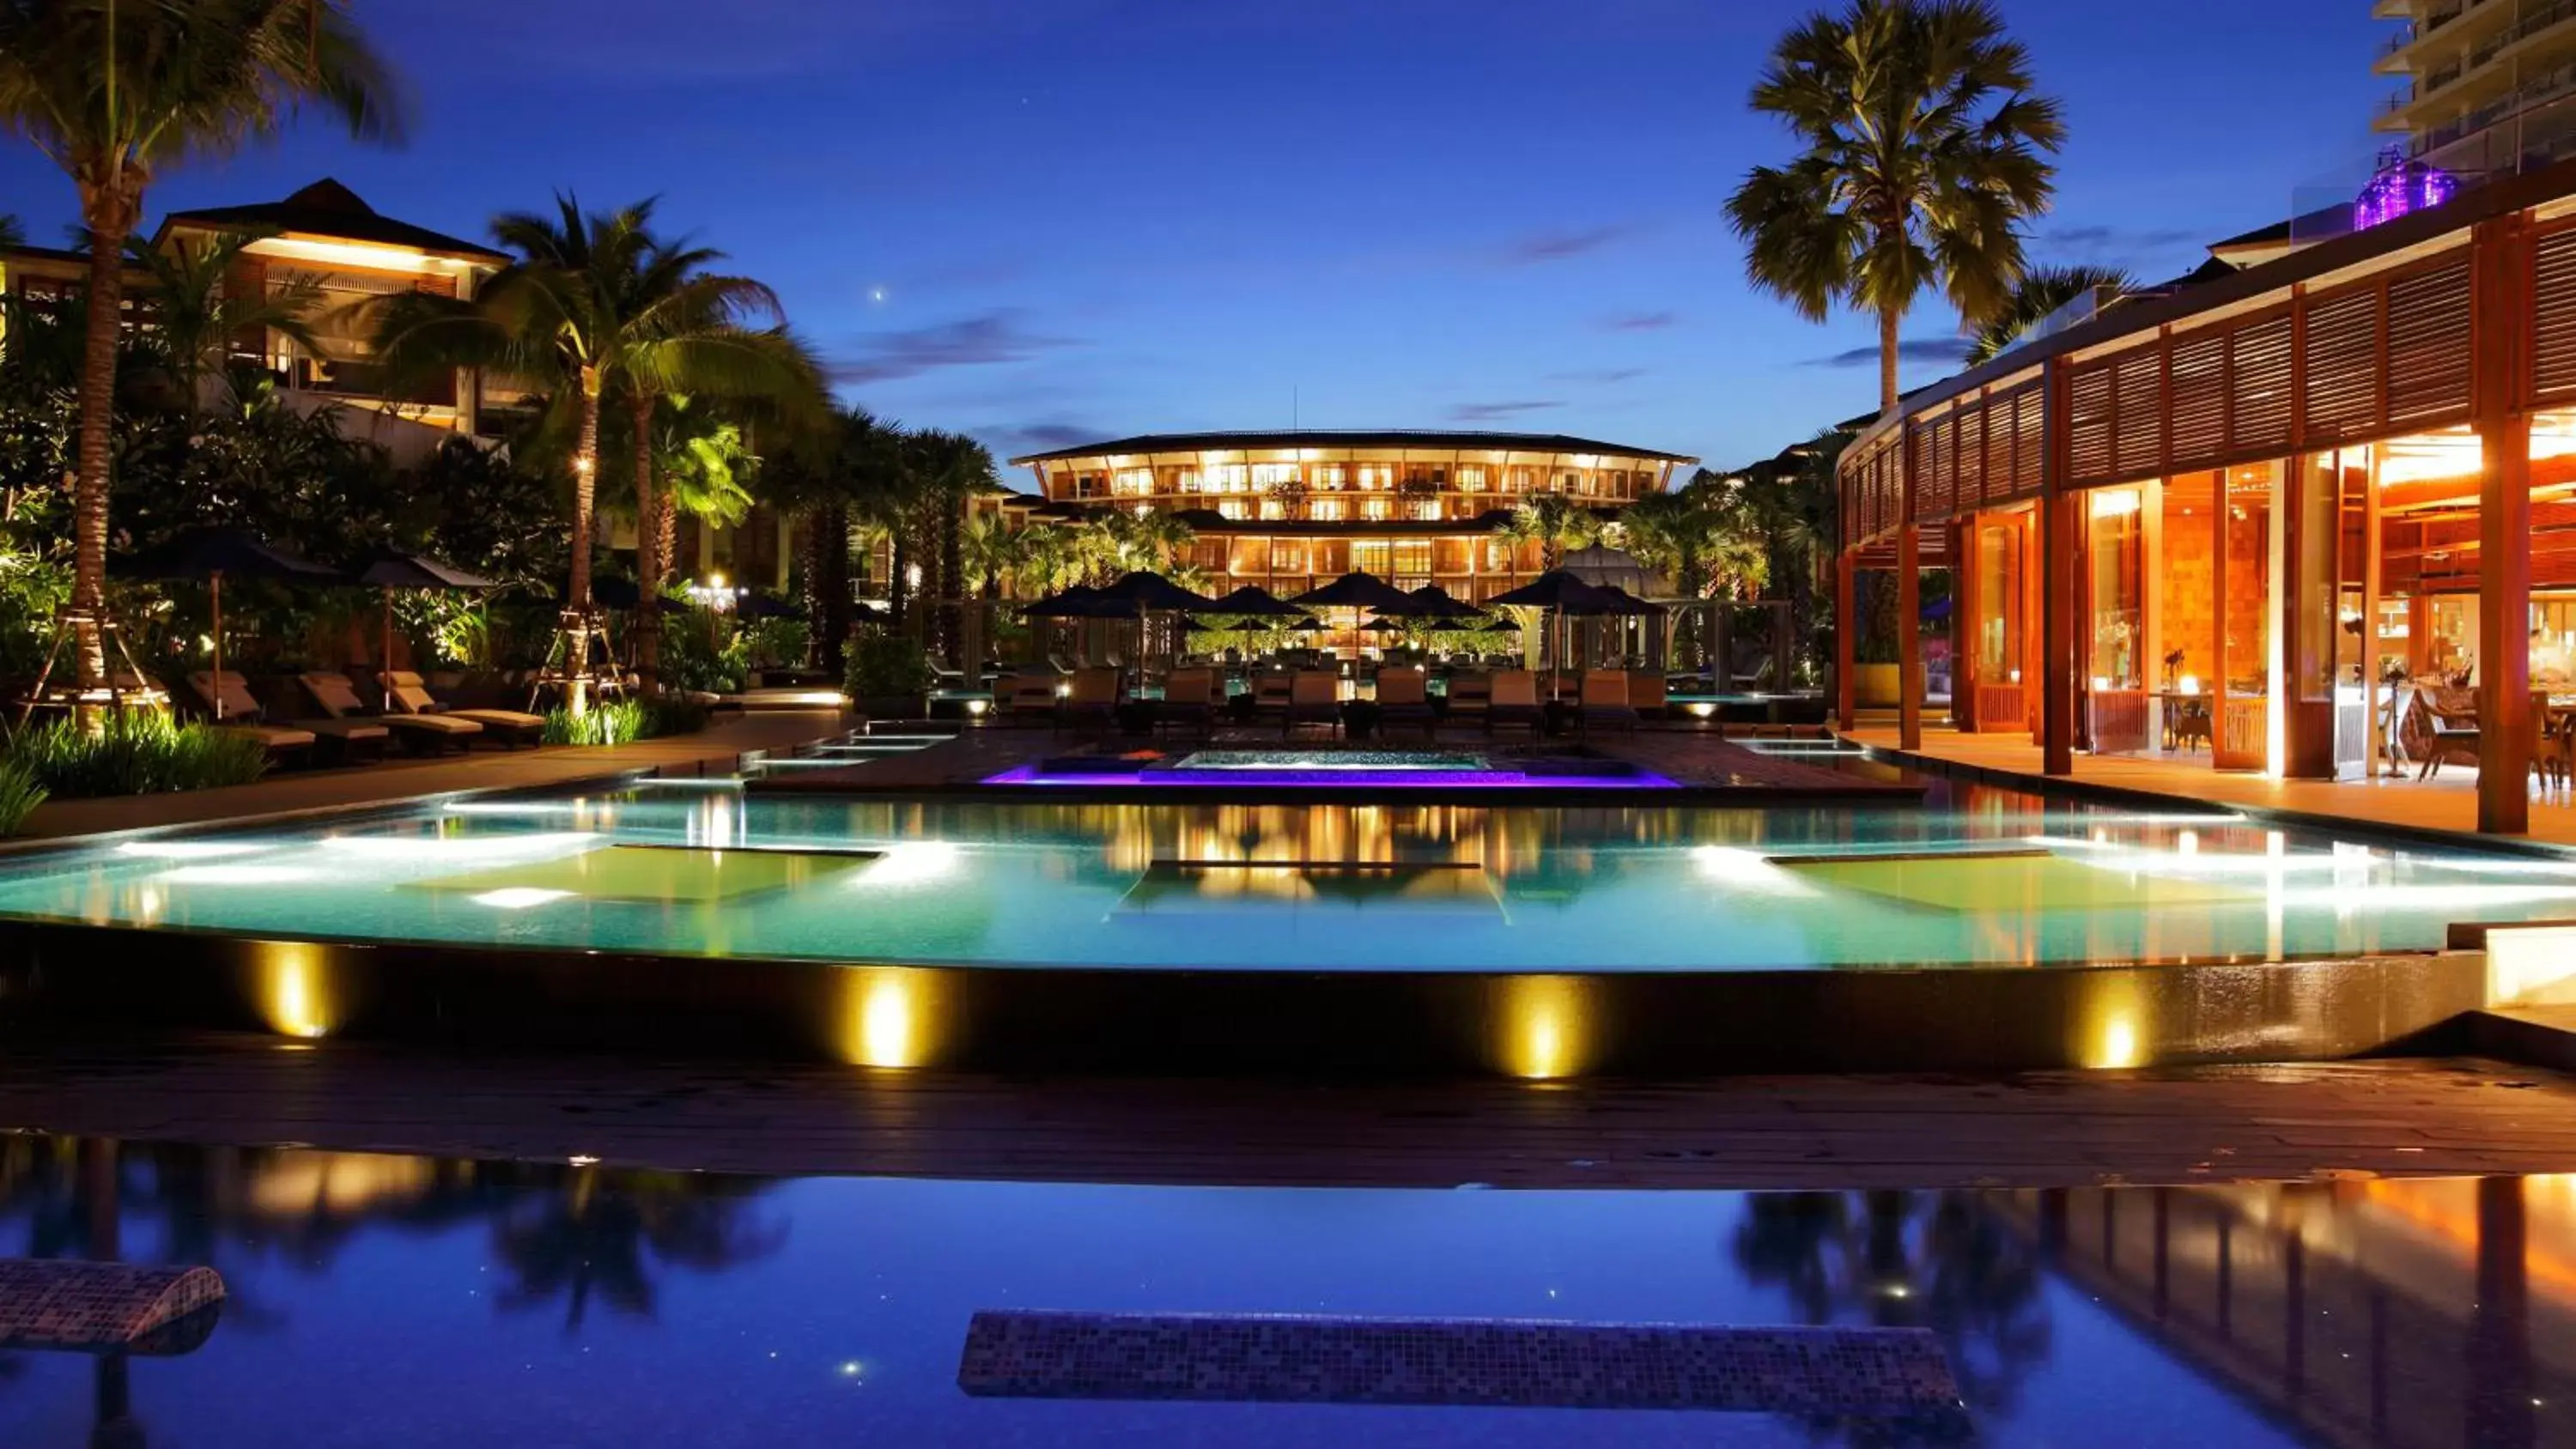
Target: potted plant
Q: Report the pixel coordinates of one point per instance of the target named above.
(889, 675)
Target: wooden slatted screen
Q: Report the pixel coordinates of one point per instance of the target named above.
(2428, 347)
(2089, 424)
(2258, 389)
(2553, 317)
(2199, 400)
(2340, 382)
(2138, 412)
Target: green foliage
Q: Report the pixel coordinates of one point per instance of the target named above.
(140, 752)
(692, 662)
(20, 794)
(1556, 523)
(624, 721)
(883, 663)
(2041, 291)
(771, 643)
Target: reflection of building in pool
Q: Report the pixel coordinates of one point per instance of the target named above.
(2389, 1312)
(2287, 520)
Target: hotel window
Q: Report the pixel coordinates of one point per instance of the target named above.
(1088, 485)
(1270, 475)
(1331, 475)
(1471, 480)
(1287, 557)
(1232, 508)
(1426, 510)
(1453, 555)
(1324, 510)
(1373, 557)
(1228, 478)
(1133, 483)
(1273, 508)
(1520, 480)
(1412, 560)
(1377, 508)
(1189, 480)
(1377, 476)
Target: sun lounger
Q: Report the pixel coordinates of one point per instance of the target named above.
(1029, 696)
(407, 694)
(1094, 700)
(228, 697)
(1270, 690)
(1646, 693)
(1471, 693)
(1401, 699)
(1314, 697)
(1605, 700)
(1514, 701)
(427, 733)
(1190, 699)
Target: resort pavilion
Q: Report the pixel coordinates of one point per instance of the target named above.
(2315, 519)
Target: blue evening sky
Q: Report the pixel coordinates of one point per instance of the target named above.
(1047, 221)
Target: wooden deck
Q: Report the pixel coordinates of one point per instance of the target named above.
(2392, 1118)
(2447, 803)
(716, 749)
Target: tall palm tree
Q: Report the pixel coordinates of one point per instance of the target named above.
(115, 95)
(990, 551)
(1556, 523)
(2041, 291)
(196, 314)
(1924, 152)
(599, 303)
(949, 470)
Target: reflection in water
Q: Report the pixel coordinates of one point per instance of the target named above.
(2391, 1313)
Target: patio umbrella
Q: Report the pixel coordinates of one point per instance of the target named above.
(391, 571)
(1357, 590)
(1626, 605)
(1078, 602)
(1254, 602)
(1432, 602)
(212, 554)
(1559, 593)
(1141, 591)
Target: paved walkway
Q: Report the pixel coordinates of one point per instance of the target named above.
(2447, 802)
(714, 750)
(2053, 1129)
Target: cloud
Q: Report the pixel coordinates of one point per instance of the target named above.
(1558, 246)
(2107, 245)
(977, 341)
(1018, 438)
(1947, 350)
(1598, 374)
(1641, 321)
(1494, 411)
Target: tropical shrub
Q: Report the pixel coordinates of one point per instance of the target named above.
(622, 722)
(139, 752)
(884, 663)
(20, 794)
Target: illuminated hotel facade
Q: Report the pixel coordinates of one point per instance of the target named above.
(2222, 524)
(1290, 511)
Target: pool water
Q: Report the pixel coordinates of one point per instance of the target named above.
(1979, 877)
(392, 1301)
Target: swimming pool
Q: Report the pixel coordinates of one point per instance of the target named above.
(1339, 769)
(397, 1300)
(701, 869)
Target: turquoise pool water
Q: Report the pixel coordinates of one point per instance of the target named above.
(1977, 877)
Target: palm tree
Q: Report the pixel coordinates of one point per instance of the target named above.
(1923, 156)
(597, 302)
(1554, 522)
(2041, 291)
(114, 97)
(949, 469)
(196, 314)
(990, 548)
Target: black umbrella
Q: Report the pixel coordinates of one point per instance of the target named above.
(1561, 594)
(391, 571)
(1625, 604)
(1357, 590)
(212, 554)
(1431, 602)
(1140, 591)
(1078, 602)
(1254, 602)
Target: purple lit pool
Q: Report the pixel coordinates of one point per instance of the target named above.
(1340, 769)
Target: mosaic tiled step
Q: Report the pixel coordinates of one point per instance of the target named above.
(132, 1307)
(1896, 1372)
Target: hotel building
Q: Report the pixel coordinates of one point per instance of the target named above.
(1290, 511)
(2217, 524)
(2491, 84)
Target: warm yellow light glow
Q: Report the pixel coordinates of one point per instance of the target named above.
(892, 1016)
(294, 990)
(977, 707)
(1703, 710)
(2110, 1029)
(2188, 684)
(356, 254)
(2113, 502)
(2525, 961)
(715, 581)
(1545, 1027)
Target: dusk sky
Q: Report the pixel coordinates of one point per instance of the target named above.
(1049, 221)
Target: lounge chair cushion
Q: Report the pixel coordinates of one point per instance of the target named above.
(274, 737)
(339, 699)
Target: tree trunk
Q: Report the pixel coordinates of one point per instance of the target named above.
(648, 552)
(110, 210)
(1888, 318)
(952, 581)
(585, 486)
(832, 623)
(811, 569)
(897, 552)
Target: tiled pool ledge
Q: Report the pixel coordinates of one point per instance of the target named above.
(1273, 1023)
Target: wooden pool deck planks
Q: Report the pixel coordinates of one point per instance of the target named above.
(2446, 803)
(2327, 1121)
(713, 750)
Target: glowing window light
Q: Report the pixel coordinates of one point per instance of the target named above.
(2401, 188)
